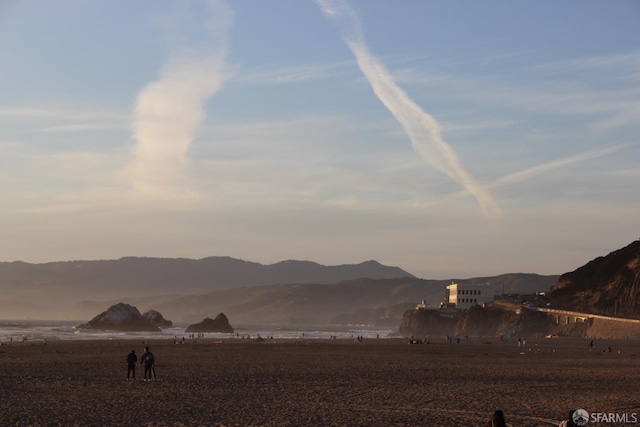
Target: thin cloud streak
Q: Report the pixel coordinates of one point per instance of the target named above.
(621, 63)
(168, 111)
(611, 108)
(84, 127)
(536, 170)
(422, 128)
(88, 113)
(289, 75)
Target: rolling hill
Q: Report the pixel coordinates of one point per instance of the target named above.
(187, 290)
(359, 301)
(53, 290)
(608, 285)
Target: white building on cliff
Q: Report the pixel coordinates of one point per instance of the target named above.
(463, 296)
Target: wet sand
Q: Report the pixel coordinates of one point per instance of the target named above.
(384, 382)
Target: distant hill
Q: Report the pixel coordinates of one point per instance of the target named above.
(187, 290)
(170, 274)
(359, 301)
(61, 285)
(607, 285)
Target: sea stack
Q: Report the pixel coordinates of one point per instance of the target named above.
(219, 324)
(120, 317)
(155, 318)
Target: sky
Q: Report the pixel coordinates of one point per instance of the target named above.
(451, 139)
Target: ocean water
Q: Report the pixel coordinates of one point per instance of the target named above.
(40, 330)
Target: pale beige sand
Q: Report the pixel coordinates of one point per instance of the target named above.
(316, 383)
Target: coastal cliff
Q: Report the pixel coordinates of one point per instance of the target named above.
(477, 320)
(608, 285)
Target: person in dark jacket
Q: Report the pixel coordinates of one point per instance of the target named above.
(148, 360)
(131, 364)
(497, 420)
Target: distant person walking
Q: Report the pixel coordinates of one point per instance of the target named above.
(497, 420)
(148, 360)
(131, 365)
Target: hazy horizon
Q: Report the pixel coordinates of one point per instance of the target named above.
(448, 139)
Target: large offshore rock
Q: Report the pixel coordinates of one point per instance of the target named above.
(219, 324)
(120, 317)
(157, 319)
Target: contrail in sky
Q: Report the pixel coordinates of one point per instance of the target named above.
(537, 170)
(168, 110)
(422, 128)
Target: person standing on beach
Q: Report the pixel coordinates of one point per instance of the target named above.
(148, 360)
(131, 364)
(497, 420)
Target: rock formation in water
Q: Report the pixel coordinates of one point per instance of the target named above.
(120, 317)
(155, 318)
(219, 324)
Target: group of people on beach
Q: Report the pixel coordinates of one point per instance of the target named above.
(148, 360)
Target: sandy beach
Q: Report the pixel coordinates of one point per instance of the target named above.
(384, 382)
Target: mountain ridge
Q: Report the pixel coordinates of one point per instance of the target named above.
(203, 274)
(61, 285)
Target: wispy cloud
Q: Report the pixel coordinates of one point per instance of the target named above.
(474, 126)
(65, 119)
(622, 64)
(600, 88)
(537, 170)
(298, 74)
(84, 127)
(62, 114)
(168, 111)
(413, 76)
(527, 173)
(422, 128)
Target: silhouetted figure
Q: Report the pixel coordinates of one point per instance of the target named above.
(148, 360)
(131, 364)
(497, 420)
